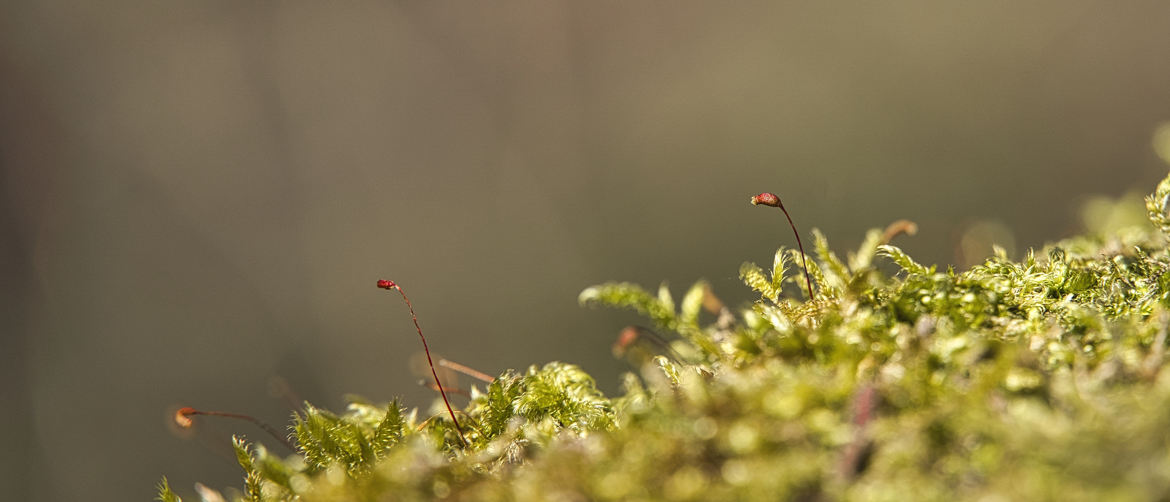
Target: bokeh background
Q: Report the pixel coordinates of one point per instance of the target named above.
(198, 197)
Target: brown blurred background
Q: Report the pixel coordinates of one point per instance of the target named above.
(198, 197)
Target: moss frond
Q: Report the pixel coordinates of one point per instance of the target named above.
(863, 258)
(164, 492)
(253, 478)
(659, 309)
(692, 305)
(389, 430)
(350, 442)
(565, 394)
(1157, 205)
(835, 274)
(903, 260)
(753, 276)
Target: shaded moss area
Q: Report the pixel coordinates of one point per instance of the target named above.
(1035, 379)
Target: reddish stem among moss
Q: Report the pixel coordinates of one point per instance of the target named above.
(184, 414)
(466, 370)
(770, 199)
(385, 284)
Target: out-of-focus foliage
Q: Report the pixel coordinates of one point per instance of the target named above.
(1035, 379)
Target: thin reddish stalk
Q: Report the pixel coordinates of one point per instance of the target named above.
(183, 419)
(454, 390)
(471, 372)
(630, 335)
(770, 199)
(385, 284)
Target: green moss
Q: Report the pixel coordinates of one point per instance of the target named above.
(1018, 380)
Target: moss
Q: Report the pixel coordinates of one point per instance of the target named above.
(1023, 380)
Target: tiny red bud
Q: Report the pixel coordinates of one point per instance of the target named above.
(384, 284)
(766, 199)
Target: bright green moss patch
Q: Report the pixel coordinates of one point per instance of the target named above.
(1035, 379)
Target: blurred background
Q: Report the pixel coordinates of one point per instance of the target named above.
(198, 197)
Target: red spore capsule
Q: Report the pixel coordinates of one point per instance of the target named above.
(767, 199)
(183, 417)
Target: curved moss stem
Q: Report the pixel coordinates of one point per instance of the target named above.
(770, 199)
(385, 284)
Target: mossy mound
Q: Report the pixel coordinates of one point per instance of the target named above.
(1015, 380)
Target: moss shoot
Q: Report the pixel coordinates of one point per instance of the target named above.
(1035, 379)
